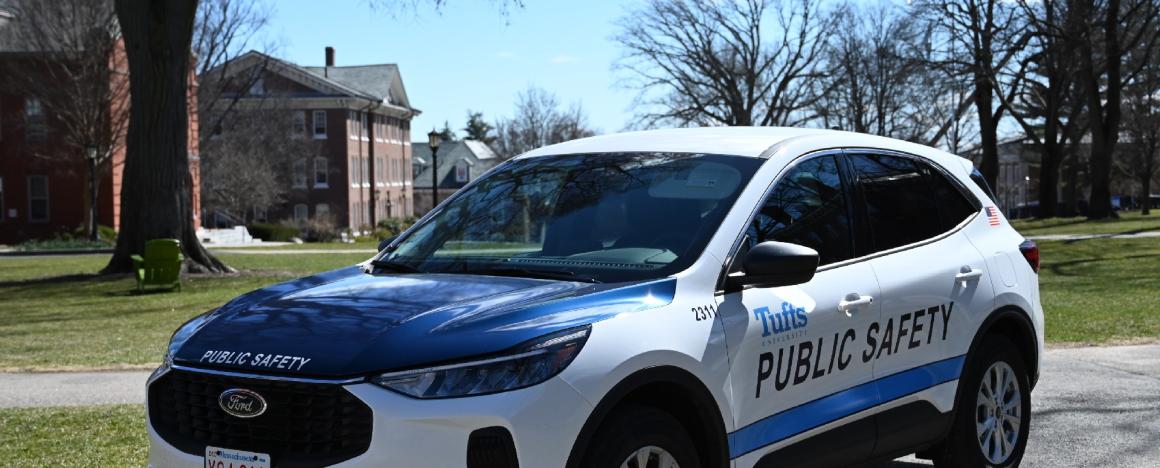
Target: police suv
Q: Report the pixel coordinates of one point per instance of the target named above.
(678, 298)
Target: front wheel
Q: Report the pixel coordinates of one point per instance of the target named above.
(994, 410)
(641, 437)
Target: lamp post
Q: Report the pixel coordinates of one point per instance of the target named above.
(433, 141)
(91, 158)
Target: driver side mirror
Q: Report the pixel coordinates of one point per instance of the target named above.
(386, 242)
(771, 264)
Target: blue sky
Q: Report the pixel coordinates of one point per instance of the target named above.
(469, 56)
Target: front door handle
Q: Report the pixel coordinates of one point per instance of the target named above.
(853, 301)
(966, 273)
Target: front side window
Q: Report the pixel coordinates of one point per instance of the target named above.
(38, 198)
(807, 207)
(597, 217)
(899, 204)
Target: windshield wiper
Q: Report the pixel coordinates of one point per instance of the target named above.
(395, 266)
(533, 273)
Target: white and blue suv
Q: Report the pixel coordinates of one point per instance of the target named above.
(678, 298)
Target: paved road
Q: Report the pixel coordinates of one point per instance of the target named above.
(1092, 407)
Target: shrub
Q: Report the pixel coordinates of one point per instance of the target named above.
(273, 232)
(391, 227)
(318, 230)
(61, 244)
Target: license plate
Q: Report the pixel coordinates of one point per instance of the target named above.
(217, 457)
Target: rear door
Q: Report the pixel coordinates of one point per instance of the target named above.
(934, 290)
(796, 371)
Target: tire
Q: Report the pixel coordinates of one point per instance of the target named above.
(963, 448)
(636, 430)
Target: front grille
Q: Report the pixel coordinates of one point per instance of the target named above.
(305, 424)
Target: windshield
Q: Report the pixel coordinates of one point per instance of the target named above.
(607, 217)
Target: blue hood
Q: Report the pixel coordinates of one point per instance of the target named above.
(346, 322)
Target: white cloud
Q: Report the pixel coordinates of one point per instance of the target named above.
(564, 58)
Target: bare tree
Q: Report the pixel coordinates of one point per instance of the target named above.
(223, 31)
(157, 191)
(705, 62)
(979, 38)
(70, 63)
(877, 79)
(1142, 127)
(250, 165)
(539, 120)
(1118, 30)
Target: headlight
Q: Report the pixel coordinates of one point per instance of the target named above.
(527, 366)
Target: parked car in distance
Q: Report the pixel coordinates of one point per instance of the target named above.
(676, 298)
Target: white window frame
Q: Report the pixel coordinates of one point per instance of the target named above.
(462, 173)
(299, 123)
(299, 177)
(45, 197)
(301, 212)
(321, 168)
(319, 123)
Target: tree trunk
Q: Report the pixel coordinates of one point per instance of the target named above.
(1049, 179)
(1146, 188)
(157, 193)
(988, 134)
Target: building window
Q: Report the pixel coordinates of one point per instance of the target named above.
(299, 173)
(321, 176)
(38, 198)
(352, 129)
(258, 87)
(35, 127)
(259, 213)
(321, 211)
(462, 173)
(379, 170)
(301, 212)
(319, 125)
(299, 123)
(353, 170)
(362, 126)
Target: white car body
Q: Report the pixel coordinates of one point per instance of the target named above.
(936, 297)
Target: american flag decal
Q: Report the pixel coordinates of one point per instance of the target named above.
(992, 215)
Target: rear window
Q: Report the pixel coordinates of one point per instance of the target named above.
(953, 207)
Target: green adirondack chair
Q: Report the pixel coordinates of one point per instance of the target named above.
(161, 265)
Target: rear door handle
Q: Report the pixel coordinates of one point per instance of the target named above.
(967, 273)
(853, 301)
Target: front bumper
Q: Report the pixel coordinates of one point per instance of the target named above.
(543, 420)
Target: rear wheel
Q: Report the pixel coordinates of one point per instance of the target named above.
(641, 437)
(993, 410)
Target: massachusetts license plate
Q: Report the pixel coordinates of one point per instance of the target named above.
(217, 457)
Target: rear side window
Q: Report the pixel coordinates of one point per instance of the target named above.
(898, 200)
(953, 207)
(807, 207)
(977, 178)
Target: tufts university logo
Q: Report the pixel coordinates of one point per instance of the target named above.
(242, 403)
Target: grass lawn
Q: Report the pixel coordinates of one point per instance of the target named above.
(55, 314)
(1100, 290)
(1128, 223)
(97, 436)
(369, 246)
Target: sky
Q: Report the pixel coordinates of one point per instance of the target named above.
(469, 55)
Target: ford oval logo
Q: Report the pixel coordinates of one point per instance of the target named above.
(242, 403)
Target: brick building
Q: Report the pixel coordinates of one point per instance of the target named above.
(44, 180)
(361, 116)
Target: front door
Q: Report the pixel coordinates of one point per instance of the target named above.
(797, 370)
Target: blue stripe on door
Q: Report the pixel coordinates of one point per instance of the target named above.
(838, 405)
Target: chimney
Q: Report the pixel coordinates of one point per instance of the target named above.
(330, 56)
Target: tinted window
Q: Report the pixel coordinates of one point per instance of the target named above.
(953, 207)
(977, 177)
(898, 200)
(807, 208)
